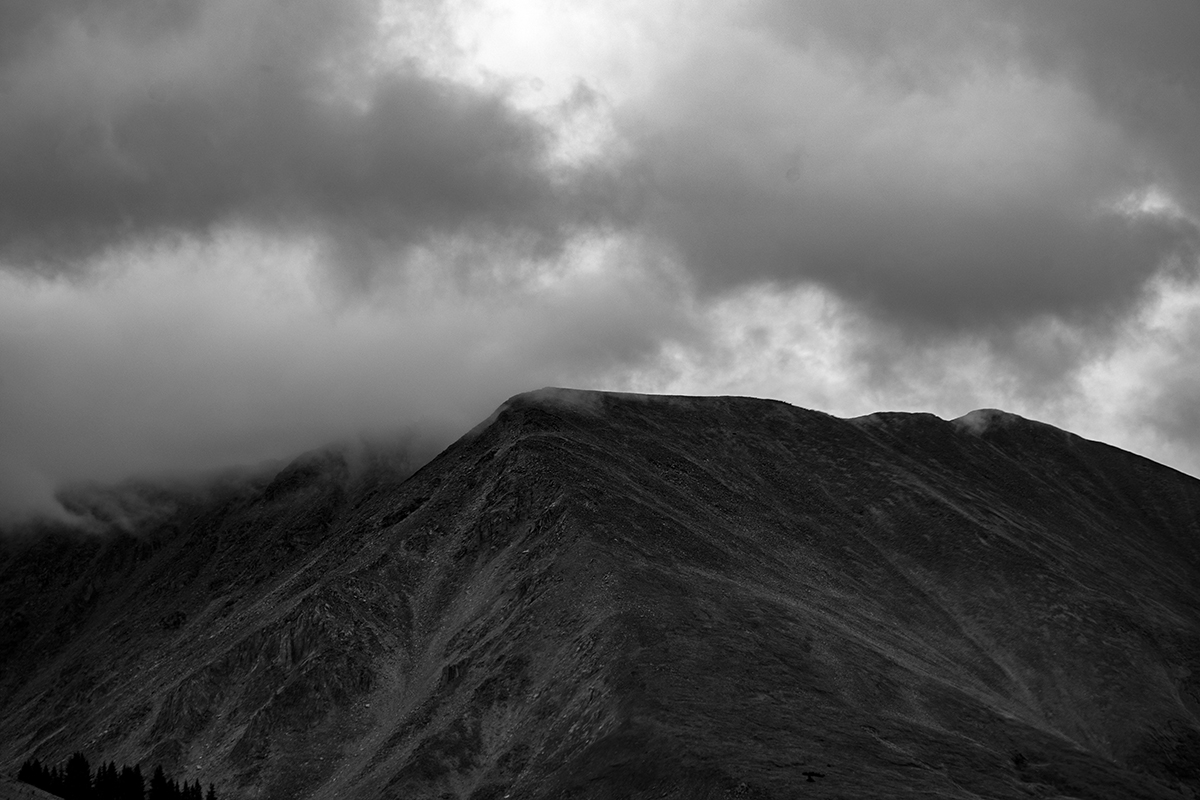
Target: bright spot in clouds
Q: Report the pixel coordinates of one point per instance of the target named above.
(1151, 201)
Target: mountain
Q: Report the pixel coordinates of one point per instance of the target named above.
(596, 595)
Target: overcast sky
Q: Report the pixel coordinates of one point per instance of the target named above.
(233, 230)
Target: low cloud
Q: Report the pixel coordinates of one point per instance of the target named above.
(232, 353)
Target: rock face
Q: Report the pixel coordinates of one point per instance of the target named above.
(606, 596)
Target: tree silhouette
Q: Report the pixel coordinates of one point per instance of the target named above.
(30, 772)
(159, 788)
(133, 785)
(75, 782)
(105, 782)
(33, 773)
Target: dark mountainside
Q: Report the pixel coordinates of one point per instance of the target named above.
(607, 596)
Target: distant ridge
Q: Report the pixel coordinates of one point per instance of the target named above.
(597, 595)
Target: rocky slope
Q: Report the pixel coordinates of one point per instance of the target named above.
(599, 596)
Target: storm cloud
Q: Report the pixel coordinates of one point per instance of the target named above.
(135, 119)
(953, 165)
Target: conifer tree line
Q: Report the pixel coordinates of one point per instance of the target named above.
(75, 781)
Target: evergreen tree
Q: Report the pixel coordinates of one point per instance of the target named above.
(130, 785)
(55, 782)
(159, 788)
(77, 780)
(137, 784)
(119, 781)
(102, 788)
(33, 773)
(107, 783)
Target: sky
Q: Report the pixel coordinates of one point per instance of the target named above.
(235, 230)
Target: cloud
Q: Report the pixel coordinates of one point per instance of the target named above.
(235, 230)
(950, 165)
(1137, 65)
(135, 119)
(929, 167)
(1150, 385)
(1140, 66)
(232, 352)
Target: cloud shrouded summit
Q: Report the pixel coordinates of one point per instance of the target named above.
(231, 230)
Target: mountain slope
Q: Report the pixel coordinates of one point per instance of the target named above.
(597, 595)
